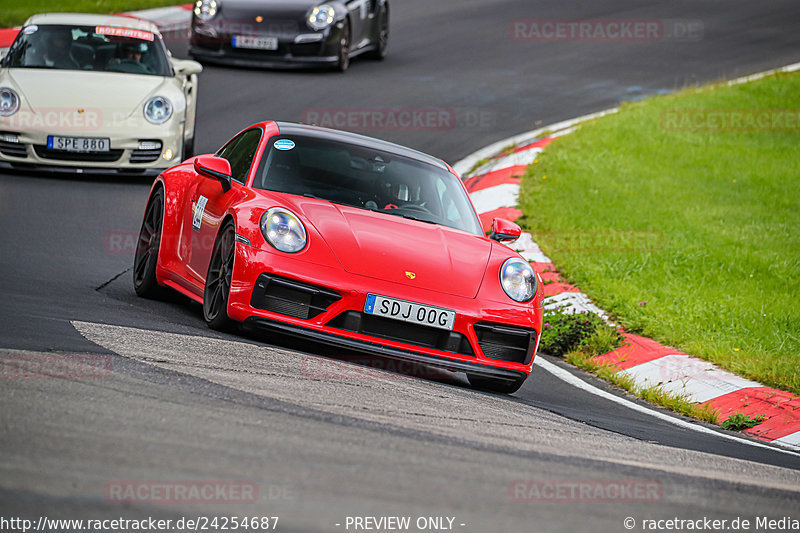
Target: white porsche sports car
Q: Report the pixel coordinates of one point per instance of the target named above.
(95, 93)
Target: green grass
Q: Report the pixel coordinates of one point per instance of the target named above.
(563, 333)
(740, 421)
(15, 12)
(702, 226)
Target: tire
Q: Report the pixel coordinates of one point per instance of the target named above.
(499, 386)
(218, 280)
(147, 247)
(344, 48)
(382, 43)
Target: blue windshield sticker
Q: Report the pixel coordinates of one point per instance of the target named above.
(284, 144)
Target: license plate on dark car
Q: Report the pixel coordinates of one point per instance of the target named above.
(255, 43)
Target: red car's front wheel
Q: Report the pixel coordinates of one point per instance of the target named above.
(218, 280)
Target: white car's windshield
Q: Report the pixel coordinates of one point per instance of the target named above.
(366, 178)
(99, 48)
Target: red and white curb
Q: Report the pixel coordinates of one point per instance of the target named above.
(492, 177)
(166, 18)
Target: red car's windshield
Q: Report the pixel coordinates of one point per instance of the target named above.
(99, 48)
(366, 178)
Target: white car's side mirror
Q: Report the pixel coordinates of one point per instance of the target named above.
(186, 67)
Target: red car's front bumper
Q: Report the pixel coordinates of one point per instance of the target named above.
(280, 292)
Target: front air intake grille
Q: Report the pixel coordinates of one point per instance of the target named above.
(13, 149)
(90, 157)
(146, 155)
(386, 328)
(291, 298)
(505, 343)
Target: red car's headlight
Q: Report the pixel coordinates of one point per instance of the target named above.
(283, 230)
(518, 279)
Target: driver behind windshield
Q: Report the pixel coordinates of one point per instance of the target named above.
(129, 59)
(131, 52)
(55, 52)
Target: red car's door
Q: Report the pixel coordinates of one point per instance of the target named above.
(209, 203)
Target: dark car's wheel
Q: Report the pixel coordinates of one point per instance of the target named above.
(382, 38)
(344, 47)
(495, 385)
(218, 280)
(146, 257)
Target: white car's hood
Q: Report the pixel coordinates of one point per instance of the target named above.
(114, 96)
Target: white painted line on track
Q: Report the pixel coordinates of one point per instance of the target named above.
(753, 77)
(571, 379)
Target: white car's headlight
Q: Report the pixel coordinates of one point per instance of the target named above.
(518, 280)
(321, 17)
(206, 9)
(9, 102)
(283, 230)
(157, 110)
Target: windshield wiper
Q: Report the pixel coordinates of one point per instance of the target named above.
(409, 217)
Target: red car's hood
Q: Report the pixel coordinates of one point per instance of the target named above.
(399, 250)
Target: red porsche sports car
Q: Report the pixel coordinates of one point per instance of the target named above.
(348, 240)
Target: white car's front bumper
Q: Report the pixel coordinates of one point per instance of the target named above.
(143, 150)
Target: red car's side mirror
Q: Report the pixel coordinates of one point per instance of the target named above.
(217, 168)
(504, 230)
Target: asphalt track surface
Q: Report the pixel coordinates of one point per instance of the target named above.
(323, 440)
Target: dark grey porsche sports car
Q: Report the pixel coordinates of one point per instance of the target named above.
(274, 33)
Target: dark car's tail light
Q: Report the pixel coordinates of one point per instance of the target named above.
(505, 343)
(291, 298)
